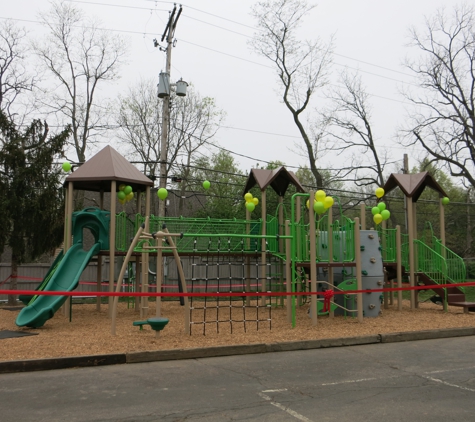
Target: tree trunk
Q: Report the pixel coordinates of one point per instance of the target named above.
(468, 246)
(13, 281)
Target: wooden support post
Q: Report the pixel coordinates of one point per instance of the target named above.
(263, 267)
(313, 261)
(330, 255)
(248, 260)
(383, 246)
(288, 272)
(410, 232)
(112, 243)
(399, 267)
(99, 262)
(69, 240)
(359, 276)
(159, 275)
(138, 278)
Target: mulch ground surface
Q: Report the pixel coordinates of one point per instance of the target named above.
(89, 331)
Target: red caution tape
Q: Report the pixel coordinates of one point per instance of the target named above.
(225, 294)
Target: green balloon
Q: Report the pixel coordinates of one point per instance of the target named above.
(375, 210)
(381, 206)
(385, 214)
(162, 193)
(66, 166)
(445, 200)
(206, 184)
(121, 195)
(127, 190)
(250, 206)
(318, 207)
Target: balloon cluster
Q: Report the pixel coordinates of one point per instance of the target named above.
(321, 202)
(125, 194)
(251, 202)
(380, 213)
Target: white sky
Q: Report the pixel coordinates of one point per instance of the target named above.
(212, 53)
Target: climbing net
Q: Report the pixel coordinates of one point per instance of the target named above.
(227, 267)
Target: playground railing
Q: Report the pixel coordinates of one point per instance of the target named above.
(405, 251)
(207, 226)
(456, 270)
(388, 244)
(125, 232)
(429, 262)
(343, 240)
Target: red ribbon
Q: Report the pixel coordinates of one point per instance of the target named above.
(327, 297)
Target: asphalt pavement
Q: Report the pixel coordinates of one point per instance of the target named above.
(425, 380)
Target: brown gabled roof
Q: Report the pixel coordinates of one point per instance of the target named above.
(279, 179)
(413, 185)
(107, 165)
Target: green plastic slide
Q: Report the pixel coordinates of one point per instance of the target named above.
(65, 279)
(29, 299)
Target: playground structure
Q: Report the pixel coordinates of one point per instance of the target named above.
(325, 258)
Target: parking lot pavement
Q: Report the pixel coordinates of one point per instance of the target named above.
(420, 380)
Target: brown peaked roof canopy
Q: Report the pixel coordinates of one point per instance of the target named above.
(413, 184)
(107, 165)
(279, 179)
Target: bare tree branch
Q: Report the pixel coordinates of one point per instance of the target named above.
(443, 120)
(82, 57)
(301, 66)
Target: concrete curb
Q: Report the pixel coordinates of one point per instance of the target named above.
(163, 355)
(61, 363)
(207, 352)
(427, 334)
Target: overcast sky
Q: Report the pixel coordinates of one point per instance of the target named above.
(212, 53)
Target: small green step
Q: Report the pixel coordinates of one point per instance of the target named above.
(156, 323)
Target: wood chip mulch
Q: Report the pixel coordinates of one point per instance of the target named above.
(89, 332)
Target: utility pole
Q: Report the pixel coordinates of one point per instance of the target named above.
(168, 34)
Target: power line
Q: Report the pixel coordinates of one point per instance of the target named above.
(249, 36)
(116, 5)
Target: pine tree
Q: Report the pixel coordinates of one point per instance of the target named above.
(31, 199)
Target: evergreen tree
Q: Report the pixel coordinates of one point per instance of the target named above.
(224, 198)
(31, 201)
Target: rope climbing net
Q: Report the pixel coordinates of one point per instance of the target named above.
(227, 267)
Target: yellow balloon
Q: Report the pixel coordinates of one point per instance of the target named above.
(255, 201)
(328, 202)
(379, 192)
(129, 196)
(377, 218)
(248, 196)
(308, 203)
(320, 195)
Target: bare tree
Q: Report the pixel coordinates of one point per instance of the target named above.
(194, 121)
(14, 77)
(301, 66)
(138, 116)
(443, 119)
(349, 132)
(81, 57)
